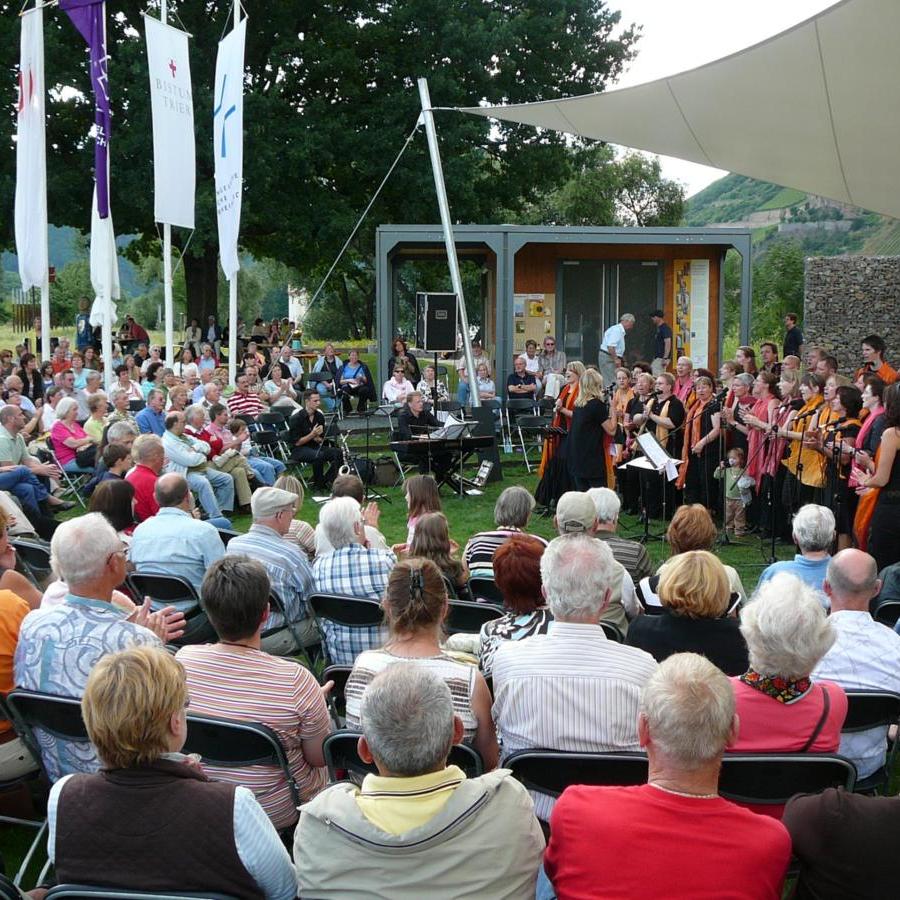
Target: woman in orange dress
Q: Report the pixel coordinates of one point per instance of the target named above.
(553, 472)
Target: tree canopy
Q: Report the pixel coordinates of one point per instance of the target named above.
(329, 98)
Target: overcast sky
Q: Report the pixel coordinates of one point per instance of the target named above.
(683, 34)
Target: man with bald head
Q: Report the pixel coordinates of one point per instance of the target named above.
(174, 542)
(866, 654)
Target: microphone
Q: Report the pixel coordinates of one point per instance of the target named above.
(833, 425)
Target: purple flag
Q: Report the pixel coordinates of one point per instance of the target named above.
(88, 17)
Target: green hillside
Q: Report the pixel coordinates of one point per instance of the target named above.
(734, 197)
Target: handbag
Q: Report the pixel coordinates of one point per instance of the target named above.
(86, 457)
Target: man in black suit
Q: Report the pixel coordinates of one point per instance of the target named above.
(414, 422)
(307, 436)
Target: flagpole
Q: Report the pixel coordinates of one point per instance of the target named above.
(106, 325)
(233, 283)
(44, 351)
(167, 257)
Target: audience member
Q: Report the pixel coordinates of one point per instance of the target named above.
(58, 646)
(75, 451)
(432, 541)
(245, 401)
(846, 844)
(398, 388)
(352, 486)
(300, 532)
(351, 569)
(576, 514)
(695, 597)
(419, 826)
(813, 533)
(235, 679)
(511, 514)
(674, 836)
(286, 564)
(134, 710)
(517, 573)
(865, 655)
(173, 542)
(114, 498)
(151, 419)
(422, 497)
(585, 687)
(16, 760)
(629, 554)
(415, 607)
(149, 457)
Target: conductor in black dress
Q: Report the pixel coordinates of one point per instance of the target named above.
(591, 420)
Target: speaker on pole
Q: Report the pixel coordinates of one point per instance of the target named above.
(436, 322)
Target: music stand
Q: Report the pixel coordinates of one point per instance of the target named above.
(655, 459)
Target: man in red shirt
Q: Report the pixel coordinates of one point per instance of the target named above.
(244, 401)
(149, 458)
(674, 836)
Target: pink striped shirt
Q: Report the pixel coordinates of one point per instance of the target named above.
(237, 682)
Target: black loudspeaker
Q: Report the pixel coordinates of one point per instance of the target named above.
(436, 323)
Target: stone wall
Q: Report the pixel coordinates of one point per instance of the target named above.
(847, 298)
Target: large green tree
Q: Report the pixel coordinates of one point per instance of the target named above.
(330, 97)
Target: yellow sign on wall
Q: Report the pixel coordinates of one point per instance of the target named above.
(691, 310)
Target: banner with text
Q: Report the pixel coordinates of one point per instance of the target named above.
(31, 156)
(691, 310)
(172, 105)
(228, 144)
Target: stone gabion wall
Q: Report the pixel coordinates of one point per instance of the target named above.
(847, 298)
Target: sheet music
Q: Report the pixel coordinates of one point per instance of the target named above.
(659, 459)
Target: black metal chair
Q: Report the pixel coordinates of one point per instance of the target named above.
(773, 778)
(874, 709)
(486, 589)
(172, 590)
(296, 642)
(887, 612)
(337, 700)
(341, 754)
(466, 617)
(90, 892)
(612, 632)
(233, 744)
(514, 407)
(72, 482)
(136, 405)
(531, 435)
(35, 559)
(348, 612)
(58, 716)
(226, 535)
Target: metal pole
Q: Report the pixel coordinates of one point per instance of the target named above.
(441, 190)
(44, 351)
(167, 256)
(233, 284)
(107, 324)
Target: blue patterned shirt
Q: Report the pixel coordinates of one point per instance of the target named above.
(354, 571)
(287, 565)
(56, 651)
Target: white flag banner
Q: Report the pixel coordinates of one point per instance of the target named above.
(172, 106)
(104, 268)
(31, 158)
(228, 144)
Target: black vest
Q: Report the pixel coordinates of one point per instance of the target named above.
(164, 826)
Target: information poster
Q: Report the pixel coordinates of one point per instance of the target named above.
(532, 319)
(691, 305)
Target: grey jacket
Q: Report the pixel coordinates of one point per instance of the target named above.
(485, 843)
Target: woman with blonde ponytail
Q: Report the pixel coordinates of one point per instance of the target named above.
(415, 607)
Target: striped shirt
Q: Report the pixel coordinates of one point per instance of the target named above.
(245, 405)
(479, 552)
(569, 689)
(629, 554)
(458, 676)
(249, 685)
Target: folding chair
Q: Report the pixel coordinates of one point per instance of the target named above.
(403, 468)
(226, 535)
(773, 778)
(873, 709)
(35, 559)
(552, 771)
(291, 640)
(232, 744)
(513, 408)
(72, 482)
(136, 405)
(340, 750)
(531, 427)
(486, 590)
(336, 700)
(58, 716)
(887, 612)
(612, 632)
(89, 892)
(466, 617)
(348, 612)
(172, 590)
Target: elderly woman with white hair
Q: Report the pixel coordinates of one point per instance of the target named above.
(779, 707)
(70, 442)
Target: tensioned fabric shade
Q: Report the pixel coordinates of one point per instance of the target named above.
(816, 107)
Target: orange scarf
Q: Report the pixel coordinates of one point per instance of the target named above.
(806, 455)
(865, 510)
(568, 395)
(693, 426)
